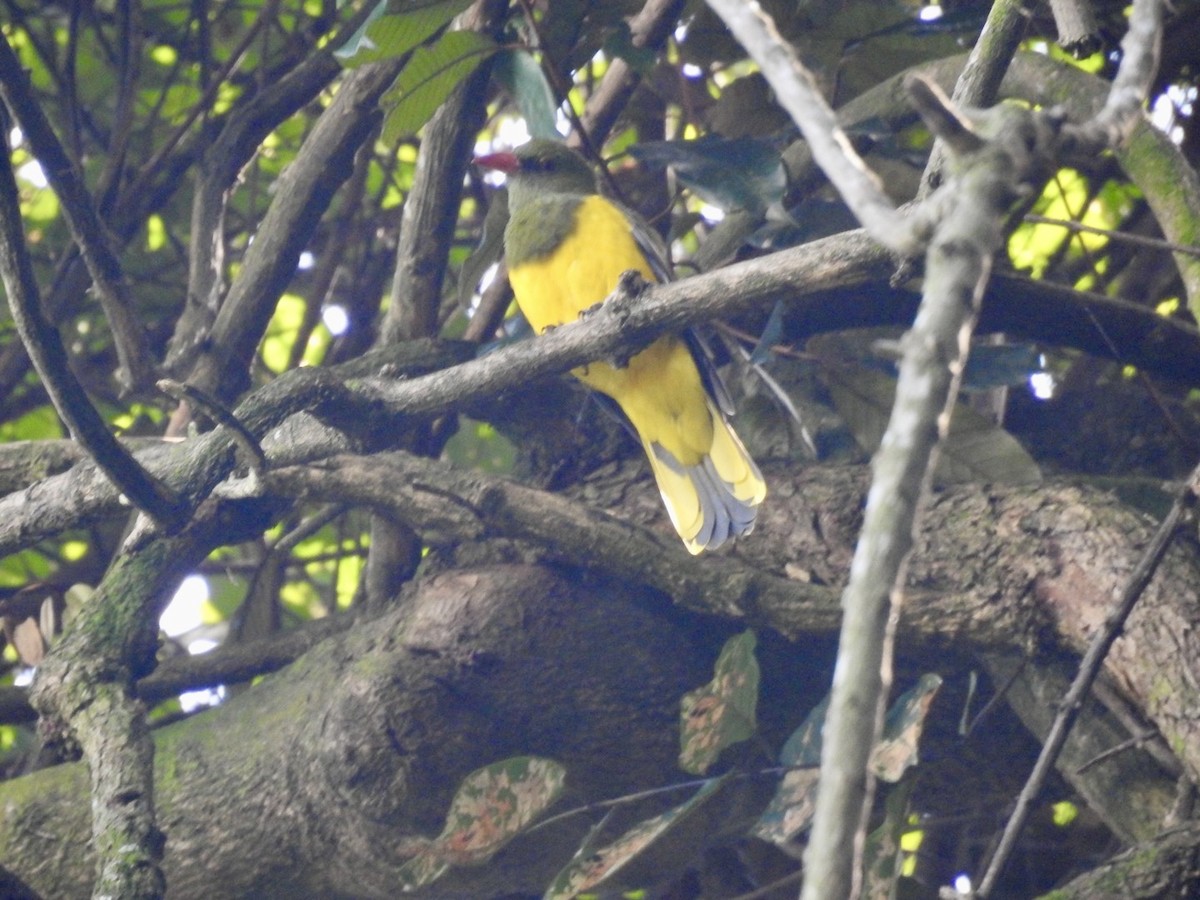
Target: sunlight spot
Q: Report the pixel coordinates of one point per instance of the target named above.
(691, 70)
(930, 13)
(962, 884)
(190, 701)
(32, 173)
(1042, 384)
(306, 261)
(183, 612)
(489, 276)
(336, 319)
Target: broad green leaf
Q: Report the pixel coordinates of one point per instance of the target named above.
(431, 74)
(1000, 365)
(495, 804)
(722, 712)
(590, 869)
(976, 449)
(731, 174)
(392, 35)
(525, 81)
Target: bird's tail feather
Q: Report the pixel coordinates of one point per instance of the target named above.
(715, 499)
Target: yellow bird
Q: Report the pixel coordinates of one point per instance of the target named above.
(567, 247)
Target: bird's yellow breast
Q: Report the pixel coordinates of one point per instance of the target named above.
(582, 270)
(659, 389)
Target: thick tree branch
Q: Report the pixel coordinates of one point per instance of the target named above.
(973, 207)
(448, 506)
(303, 192)
(1018, 568)
(649, 29)
(1089, 669)
(83, 691)
(1078, 31)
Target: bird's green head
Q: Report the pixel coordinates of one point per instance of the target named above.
(541, 167)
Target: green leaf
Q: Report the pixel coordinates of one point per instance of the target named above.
(391, 36)
(431, 74)
(732, 174)
(896, 750)
(590, 869)
(882, 854)
(791, 809)
(722, 712)
(976, 449)
(526, 82)
(492, 806)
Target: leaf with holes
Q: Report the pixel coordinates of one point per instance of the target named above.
(791, 809)
(722, 712)
(495, 804)
(896, 749)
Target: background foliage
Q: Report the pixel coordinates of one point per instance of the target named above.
(193, 126)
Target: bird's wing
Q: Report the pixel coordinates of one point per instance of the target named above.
(697, 341)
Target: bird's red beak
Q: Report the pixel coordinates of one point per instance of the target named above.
(501, 162)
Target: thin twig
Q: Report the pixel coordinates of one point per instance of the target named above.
(995, 699)
(212, 408)
(44, 345)
(129, 336)
(1122, 236)
(1089, 668)
(1138, 740)
(797, 92)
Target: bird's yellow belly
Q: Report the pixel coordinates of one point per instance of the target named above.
(659, 389)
